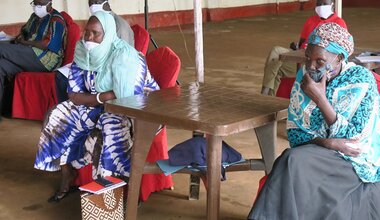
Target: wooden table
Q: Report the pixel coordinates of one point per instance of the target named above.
(369, 65)
(213, 110)
(295, 56)
(298, 56)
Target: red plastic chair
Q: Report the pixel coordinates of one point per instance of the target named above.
(35, 92)
(377, 78)
(141, 38)
(164, 66)
(285, 87)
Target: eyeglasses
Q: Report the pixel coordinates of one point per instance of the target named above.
(38, 5)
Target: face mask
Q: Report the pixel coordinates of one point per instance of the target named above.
(97, 7)
(327, 70)
(324, 11)
(89, 45)
(41, 10)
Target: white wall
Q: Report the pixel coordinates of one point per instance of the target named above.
(236, 3)
(14, 11)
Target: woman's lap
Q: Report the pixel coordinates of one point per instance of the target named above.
(71, 134)
(63, 136)
(117, 143)
(311, 182)
(111, 142)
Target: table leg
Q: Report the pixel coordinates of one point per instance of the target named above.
(214, 155)
(194, 179)
(267, 138)
(194, 187)
(144, 133)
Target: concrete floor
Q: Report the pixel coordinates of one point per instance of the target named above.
(235, 52)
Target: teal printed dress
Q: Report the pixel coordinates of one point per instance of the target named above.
(355, 98)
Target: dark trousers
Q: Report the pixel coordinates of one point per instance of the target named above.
(16, 58)
(61, 83)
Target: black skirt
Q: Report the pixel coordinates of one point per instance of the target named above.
(314, 183)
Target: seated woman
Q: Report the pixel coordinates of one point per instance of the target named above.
(332, 170)
(104, 68)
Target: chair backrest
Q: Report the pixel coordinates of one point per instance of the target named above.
(73, 35)
(285, 87)
(164, 66)
(377, 78)
(141, 38)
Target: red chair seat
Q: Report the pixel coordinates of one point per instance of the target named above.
(34, 94)
(156, 182)
(84, 175)
(261, 185)
(285, 87)
(377, 78)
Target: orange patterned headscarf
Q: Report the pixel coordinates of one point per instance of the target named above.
(333, 38)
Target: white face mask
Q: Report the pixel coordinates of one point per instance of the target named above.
(89, 45)
(97, 7)
(324, 11)
(40, 10)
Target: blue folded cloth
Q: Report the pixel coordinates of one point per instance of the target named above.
(167, 168)
(193, 152)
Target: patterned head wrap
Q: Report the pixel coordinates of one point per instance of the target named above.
(333, 38)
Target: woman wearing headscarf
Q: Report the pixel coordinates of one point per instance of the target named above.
(332, 170)
(104, 68)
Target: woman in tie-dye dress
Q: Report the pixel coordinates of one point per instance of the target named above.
(104, 68)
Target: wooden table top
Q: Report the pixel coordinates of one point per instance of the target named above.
(202, 107)
(296, 56)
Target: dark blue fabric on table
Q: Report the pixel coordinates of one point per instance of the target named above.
(193, 153)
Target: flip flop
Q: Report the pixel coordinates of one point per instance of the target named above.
(58, 196)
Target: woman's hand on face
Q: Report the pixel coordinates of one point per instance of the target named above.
(345, 146)
(314, 90)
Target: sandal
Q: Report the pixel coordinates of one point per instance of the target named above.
(58, 196)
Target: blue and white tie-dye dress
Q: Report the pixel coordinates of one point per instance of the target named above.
(72, 132)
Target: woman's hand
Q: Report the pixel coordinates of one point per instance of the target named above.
(20, 40)
(316, 91)
(105, 96)
(345, 146)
